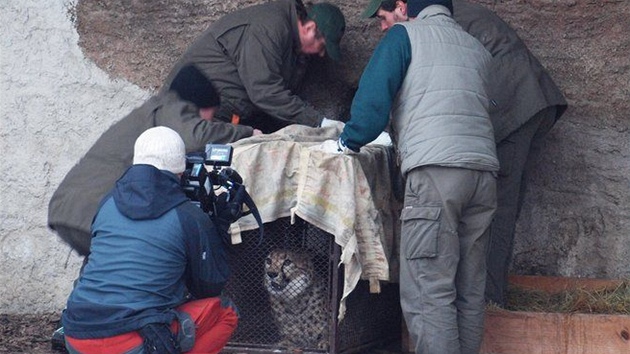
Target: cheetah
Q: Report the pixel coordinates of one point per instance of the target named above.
(298, 298)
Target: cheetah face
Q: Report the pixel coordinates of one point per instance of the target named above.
(287, 273)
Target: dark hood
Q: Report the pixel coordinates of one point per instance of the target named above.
(144, 192)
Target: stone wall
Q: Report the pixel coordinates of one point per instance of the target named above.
(71, 68)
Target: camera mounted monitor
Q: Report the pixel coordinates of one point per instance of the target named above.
(199, 185)
(218, 155)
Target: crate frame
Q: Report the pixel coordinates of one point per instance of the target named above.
(342, 337)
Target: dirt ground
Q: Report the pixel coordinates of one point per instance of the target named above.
(27, 333)
(31, 334)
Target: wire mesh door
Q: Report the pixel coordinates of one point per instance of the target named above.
(288, 290)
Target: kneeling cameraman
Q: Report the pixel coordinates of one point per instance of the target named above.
(157, 265)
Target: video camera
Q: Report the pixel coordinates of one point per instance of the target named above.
(200, 185)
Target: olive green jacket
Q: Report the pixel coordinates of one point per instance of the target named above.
(76, 200)
(252, 57)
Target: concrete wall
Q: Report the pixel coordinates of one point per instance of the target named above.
(70, 69)
(54, 103)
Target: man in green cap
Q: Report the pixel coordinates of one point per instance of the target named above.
(257, 56)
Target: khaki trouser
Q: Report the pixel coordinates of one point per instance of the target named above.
(445, 230)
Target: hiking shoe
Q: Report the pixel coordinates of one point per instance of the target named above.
(58, 342)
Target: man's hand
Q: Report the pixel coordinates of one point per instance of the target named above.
(382, 139)
(329, 147)
(332, 147)
(257, 132)
(331, 123)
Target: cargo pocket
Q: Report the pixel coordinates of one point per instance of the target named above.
(420, 230)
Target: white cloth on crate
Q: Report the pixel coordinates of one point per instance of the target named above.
(348, 196)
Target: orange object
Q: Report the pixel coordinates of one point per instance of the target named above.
(214, 326)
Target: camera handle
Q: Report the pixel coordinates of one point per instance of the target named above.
(252, 209)
(228, 206)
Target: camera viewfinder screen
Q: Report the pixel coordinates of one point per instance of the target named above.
(219, 155)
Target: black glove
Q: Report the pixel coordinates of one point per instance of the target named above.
(158, 339)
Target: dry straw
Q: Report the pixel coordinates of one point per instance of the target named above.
(612, 300)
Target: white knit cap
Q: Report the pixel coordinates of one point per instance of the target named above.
(161, 147)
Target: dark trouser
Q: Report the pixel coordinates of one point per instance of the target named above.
(513, 153)
(79, 240)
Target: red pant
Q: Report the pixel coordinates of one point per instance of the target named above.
(214, 327)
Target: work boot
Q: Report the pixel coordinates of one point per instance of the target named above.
(58, 342)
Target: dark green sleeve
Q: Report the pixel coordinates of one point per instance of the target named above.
(379, 84)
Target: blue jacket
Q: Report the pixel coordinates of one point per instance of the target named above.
(152, 249)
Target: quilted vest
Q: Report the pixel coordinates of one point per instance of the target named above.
(440, 116)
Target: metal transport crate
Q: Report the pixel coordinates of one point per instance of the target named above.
(370, 320)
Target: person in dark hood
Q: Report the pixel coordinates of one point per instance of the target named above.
(256, 58)
(188, 107)
(526, 105)
(157, 264)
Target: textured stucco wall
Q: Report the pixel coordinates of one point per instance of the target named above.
(69, 70)
(53, 105)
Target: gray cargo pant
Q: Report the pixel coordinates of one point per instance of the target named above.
(445, 230)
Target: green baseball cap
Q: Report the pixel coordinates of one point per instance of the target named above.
(371, 9)
(331, 23)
